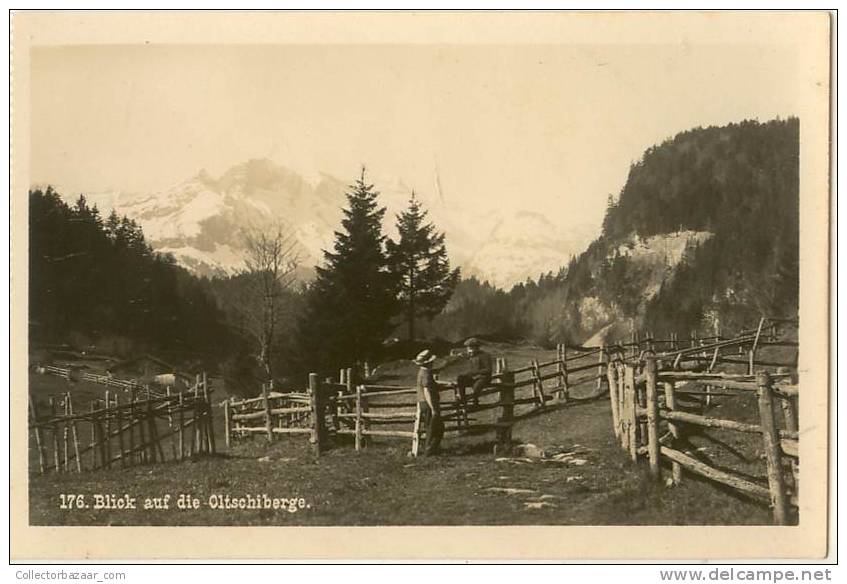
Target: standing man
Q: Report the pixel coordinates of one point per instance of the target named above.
(429, 402)
(479, 375)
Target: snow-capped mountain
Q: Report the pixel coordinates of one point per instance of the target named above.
(521, 245)
(202, 220)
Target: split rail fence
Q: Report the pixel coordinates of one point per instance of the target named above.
(346, 407)
(125, 385)
(125, 428)
(645, 396)
(332, 408)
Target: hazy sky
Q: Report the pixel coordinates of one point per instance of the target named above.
(546, 127)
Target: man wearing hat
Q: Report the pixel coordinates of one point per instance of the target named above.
(429, 402)
(479, 375)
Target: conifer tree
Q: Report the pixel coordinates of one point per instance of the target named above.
(418, 260)
(352, 300)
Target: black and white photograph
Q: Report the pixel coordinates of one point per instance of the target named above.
(436, 270)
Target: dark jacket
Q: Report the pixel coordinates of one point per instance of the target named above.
(481, 365)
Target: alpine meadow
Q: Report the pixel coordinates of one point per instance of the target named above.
(246, 348)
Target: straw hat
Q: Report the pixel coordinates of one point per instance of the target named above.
(472, 342)
(425, 357)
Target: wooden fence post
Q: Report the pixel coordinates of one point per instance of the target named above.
(171, 424)
(210, 427)
(366, 425)
(611, 374)
(416, 430)
(65, 429)
(342, 406)
(53, 430)
(142, 432)
(101, 439)
(755, 346)
(108, 437)
(789, 414)
(170, 409)
(533, 372)
(539, 384)
(266, 404)
(317, 412)
(600, 359)
(632, 417)
(623, 411)
(652, 416)
(507, 412)
(74, 434)
(670, 404)
(770, 439)
(358, 442)
(227, 428)
(151, 430)
(641, 402)
(563, 372)
(789, 404)
(209, 414)
(93, 407)
(132, 454)
(542, 396)
(33, 415)
(181, 420)
(193, 443)
(120, 422)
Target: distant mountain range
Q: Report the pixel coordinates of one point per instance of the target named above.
(201, 221)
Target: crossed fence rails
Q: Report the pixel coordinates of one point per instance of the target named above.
(365, 411)
(343, 407)
(648, 420)
(125, 428)
(126, 385)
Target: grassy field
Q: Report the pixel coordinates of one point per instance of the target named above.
(381, 485)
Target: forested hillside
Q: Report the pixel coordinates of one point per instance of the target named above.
(95, 280)
(739, 183)
(703, 235)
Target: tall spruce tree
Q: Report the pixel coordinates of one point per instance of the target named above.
(352, 300)
(418, 260)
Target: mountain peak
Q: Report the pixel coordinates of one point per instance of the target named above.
(203, 176)
(199, 219)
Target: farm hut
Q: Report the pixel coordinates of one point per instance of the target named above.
(150, 369)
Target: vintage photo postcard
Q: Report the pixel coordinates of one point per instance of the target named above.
(420, 285)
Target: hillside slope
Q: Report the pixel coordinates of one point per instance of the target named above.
(704, 235)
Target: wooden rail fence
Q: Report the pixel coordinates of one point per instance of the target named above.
(648, 422)
(363, 411)
(125, 385)
(122, 430)
(344, 407)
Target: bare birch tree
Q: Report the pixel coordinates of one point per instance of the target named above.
(271, 258)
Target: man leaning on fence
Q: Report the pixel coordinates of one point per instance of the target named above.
(479, 377)
(429, 402)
